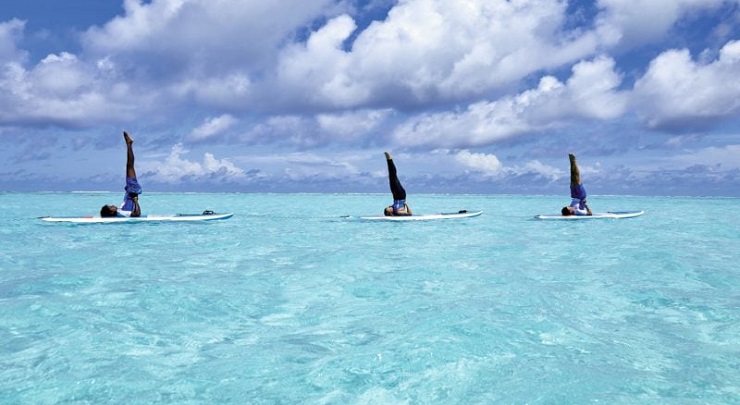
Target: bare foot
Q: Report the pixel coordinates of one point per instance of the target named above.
(127, 138)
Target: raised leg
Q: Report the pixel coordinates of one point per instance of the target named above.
(130, 171)
(396, 188)
(575, 175)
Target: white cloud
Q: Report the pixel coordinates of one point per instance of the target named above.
(320, 68)
(212, 127)
(538, 168)
(678, 92)
(230, 90)
(63, 90)
(352, 124)
(205, 35)
(636, 22)
(427, 50)
(590, 93)
(60, 75)
(221, 54)
(175, 169)
(10, 33)
(486, 163)
(489, 165)
(289, 129)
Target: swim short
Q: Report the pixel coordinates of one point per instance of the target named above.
(578, 191)
(132, 188)
(399, 205)
(578, 195)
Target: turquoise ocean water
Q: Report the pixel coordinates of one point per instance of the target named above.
(288, 303)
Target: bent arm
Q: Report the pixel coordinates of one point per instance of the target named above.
(136, 212)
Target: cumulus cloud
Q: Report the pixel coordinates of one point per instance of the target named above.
(678, 93)
(218, 91)
(429, 50)
(636, 22)
(320, 68)
(10, 33)
(212, 127)
(59, 75)
(63, 90)
(176, 169)
(538, 168)
(486, 163)
(291, 130)
(590, 93)
(209, 52)
(352, 124)
(214, 36)
(489, 165)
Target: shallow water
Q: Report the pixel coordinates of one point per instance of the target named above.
(287, 302)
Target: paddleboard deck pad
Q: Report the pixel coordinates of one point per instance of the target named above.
(147, 218)
(596, 215)
(423, 217)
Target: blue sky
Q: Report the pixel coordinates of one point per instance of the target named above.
(473, 96)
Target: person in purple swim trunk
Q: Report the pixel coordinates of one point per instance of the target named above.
(130, 206)
(578, 204)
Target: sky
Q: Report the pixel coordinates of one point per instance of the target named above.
(469, 96)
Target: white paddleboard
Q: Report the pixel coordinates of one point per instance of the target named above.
(424, 217)
(147, 218)
(596, 215)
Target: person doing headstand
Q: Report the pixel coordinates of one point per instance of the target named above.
(578, 204)
(130, 206)
(399, 206)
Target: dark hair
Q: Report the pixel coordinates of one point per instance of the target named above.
(107, 212)
(565, 211)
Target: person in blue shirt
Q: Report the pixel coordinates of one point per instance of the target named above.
(578, 204)
(130, 206)
(399, 206)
